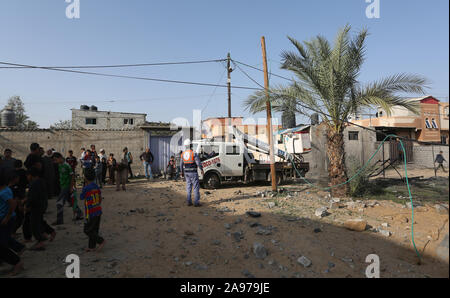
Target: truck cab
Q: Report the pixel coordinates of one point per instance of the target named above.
(220, 161)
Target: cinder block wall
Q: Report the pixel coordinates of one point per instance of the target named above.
(64, 140)
(424, 155)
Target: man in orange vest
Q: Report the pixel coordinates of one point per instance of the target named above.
(190, 163)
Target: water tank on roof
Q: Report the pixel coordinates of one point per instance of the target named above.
(84, 107)
(94, 108)
(8, 117)
(315, 119)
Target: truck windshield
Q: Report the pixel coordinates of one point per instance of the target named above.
(208, 151)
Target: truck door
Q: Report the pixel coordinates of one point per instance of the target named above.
(233, 160)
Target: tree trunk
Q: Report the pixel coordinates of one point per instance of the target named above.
(336, 169)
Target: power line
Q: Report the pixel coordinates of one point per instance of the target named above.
(248, 76)
(214, 91)
(345, 121)
(117, 65)
(117, 100)
(126, 77)
(256, 68)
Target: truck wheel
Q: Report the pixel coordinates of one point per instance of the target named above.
(211, 181)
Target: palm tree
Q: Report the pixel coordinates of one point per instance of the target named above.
(326, 82)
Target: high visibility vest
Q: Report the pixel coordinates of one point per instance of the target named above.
(188, 159)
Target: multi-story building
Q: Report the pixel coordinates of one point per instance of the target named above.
(91, 118)
(217, 128)
(431, 124)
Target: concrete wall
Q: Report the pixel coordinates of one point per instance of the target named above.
(358, 151)
(63, 140)
(105, 120)
(424, 155)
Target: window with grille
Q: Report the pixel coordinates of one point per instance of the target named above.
(427, 123)
(433, 123)
(353, 135)
(91, 121)
(129, 121)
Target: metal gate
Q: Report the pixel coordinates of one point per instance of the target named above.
(396, 152)
(160, 148)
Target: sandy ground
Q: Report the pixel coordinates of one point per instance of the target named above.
(150, 232)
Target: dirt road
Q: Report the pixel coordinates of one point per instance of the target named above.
(150, 232)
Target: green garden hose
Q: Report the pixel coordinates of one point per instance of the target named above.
(359, 172)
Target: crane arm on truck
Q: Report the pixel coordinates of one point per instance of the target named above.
(260, 145)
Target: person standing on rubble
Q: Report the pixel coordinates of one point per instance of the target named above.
(190, 163)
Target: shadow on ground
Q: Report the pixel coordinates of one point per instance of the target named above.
(150, 232)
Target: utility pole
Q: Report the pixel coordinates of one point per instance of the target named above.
(269, 117)
(229, 70)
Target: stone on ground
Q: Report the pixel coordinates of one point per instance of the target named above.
(358, 225)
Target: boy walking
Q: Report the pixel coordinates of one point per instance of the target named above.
(121, 174)
(36, 204)
(92, 197)
(66, 184)
(440, 160)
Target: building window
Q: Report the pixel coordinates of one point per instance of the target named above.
(433, 123)
(446, 114)
(427, 123)
(353, 135)
(91, 121)
(444, 140)
(129, 121)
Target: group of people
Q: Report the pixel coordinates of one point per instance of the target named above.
(25, 189)
(104, 165)
(173, 168)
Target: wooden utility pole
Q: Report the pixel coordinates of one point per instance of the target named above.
(228, 124)
(229, 70)
(269, 117)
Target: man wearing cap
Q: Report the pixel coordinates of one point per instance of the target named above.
(190, 163)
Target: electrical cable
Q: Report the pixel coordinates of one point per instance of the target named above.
(118, 65)
(214, 91)
(129, 77)
(359, 173)
(256, 68)
(326, 115)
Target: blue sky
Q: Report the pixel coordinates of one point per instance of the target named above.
(410, 36)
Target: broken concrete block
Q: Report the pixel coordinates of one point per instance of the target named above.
(358, 225)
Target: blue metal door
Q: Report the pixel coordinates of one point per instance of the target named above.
(160, 148)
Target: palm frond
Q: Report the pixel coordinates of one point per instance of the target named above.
(327, 81)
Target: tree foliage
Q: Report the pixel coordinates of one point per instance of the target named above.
(62, 124)
(326, 81)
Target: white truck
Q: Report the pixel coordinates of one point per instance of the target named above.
(235, 161)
